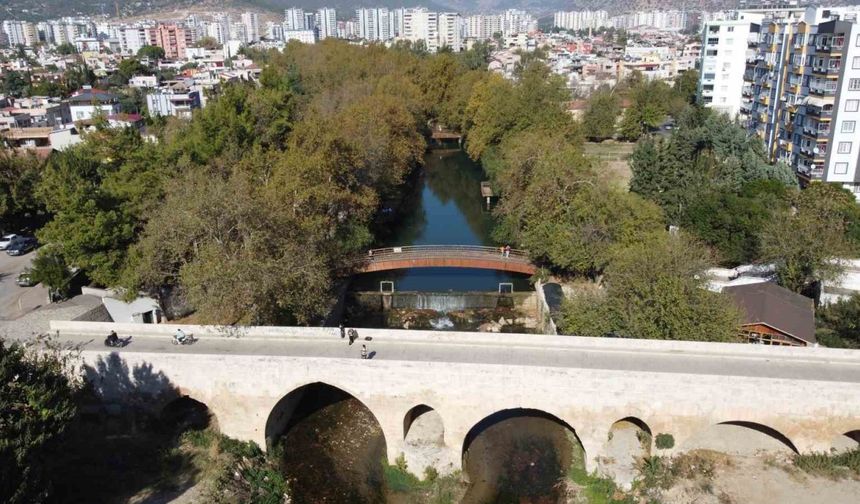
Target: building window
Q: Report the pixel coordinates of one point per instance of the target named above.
(848, 126)
(711, 52)
(852, 105)
(840, 168)
(855, 63)
(708, 76)
(844, 148)
(853, 84)
(730, 29)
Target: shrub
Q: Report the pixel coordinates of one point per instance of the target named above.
(664, 441)
(832, 465)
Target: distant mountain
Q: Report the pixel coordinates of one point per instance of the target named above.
(48, 9)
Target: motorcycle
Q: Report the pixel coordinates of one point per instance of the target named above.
(189, 339)
(116, 342)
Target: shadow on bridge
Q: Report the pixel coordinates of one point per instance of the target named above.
(126, 436)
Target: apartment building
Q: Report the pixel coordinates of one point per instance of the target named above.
(802, 94)
(174, 39)
(294, 19)
(373, 24)
(726, 46)
(483, 26)
(326, 23)
(251, 21)
(581, 20)
(435, 29)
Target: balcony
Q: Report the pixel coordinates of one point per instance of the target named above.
(822, 91)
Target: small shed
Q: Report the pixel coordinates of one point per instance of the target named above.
(774, 315)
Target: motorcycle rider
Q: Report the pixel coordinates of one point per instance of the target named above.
(112, 339)
(180, 336)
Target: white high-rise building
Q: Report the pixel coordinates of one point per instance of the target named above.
(483, 26)
(326, 21)
(373, 24)
(435, 29)
(581, 20)
(725, 50)
(252, 27)
(294, 19)
(21, 33)
(449, 31)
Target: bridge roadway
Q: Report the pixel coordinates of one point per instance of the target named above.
(502, 349)
(252, 378)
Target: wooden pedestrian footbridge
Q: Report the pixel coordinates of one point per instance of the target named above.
(447, 256)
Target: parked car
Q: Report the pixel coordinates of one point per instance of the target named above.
(7, 240)
(21, 246)
(25, 279)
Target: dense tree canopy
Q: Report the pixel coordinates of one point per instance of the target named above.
(655, 289)
(556, 205)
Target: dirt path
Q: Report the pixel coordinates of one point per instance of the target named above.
(755, 480)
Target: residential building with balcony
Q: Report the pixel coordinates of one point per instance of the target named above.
(726, 46)
(803, 89)
(178, 101)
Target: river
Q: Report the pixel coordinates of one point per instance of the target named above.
(443, 207)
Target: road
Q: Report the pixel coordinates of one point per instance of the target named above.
(587, 356)
(14, 300)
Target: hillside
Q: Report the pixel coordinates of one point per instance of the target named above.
(45, 9)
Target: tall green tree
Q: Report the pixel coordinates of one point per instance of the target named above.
(807, 243)
(37, 405)
(601, 115)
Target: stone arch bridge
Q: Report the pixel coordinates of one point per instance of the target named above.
(802, 399)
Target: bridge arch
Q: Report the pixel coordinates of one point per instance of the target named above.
(740, 437)
(186, 413)
(628, 441)
(428, 420)
(847, 441)
(291, 408)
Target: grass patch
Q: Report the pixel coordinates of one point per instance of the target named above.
(596, 489)
(831, 465)
(432, 489)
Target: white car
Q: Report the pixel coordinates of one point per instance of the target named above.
(7, 240)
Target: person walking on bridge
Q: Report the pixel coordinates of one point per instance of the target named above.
(507, 251)
(364, 352)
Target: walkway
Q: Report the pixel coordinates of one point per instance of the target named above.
(721, 359)
(447, 256)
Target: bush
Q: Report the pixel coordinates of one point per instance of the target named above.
(664, 441)
(398, 478)
(832, 465)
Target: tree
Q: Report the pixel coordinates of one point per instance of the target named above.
(686, 86)
(19, 175)
(601, 114)
(130, 67)
(207, 43)
(556, 206)
(655, 289)
(807, 244)
(150, 52)
(13, 83)
(37, 404)
(732, 223)
(66, 48)
(51, 270)
(839, 323)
